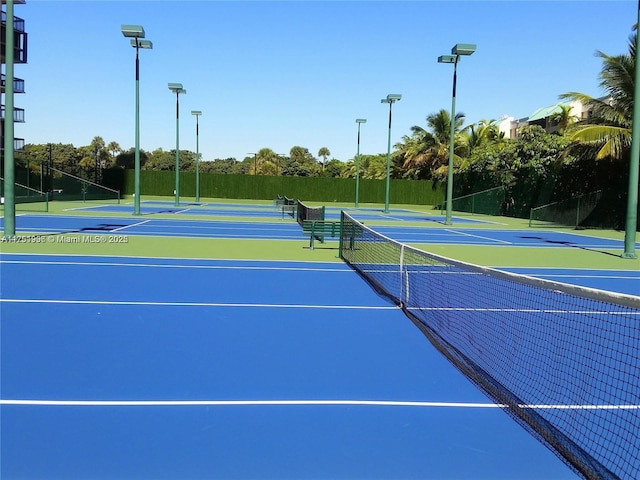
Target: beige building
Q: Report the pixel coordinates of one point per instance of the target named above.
(544, 117)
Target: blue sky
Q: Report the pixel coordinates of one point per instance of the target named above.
(279, 74)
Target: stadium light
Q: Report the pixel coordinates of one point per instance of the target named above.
(456, 51)
(197, 114)
(177, 89)
(391, 99)
(136, 34)
(359, 121)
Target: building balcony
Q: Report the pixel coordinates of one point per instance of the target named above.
(19, 40)
(18, 145)
(18, 115)
(18, 84)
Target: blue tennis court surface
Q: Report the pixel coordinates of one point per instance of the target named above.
(289, 230)
(119, 367)
(269, 211)
(621, 281)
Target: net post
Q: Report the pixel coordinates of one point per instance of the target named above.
(402, 289)
(340, 237)
(530, 217)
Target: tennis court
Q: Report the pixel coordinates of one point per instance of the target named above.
(196, 366)
(166, 368)
(285, 229)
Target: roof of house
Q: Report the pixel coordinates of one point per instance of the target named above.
(544, 112)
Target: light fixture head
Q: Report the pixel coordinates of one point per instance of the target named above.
(196, 112)
(391, 98)
(176, 88)
(463, 49)
(147, 44)
(361, 120)
(132, 31)
(446, 59)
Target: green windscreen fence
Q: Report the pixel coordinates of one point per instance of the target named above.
(572, 212)
(486, 202)
(68, 187)
(26, 199)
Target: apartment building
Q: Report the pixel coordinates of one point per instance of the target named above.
(19, 57)
(544, 117)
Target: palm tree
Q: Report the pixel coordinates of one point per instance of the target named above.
(425, 153)
(483, 132)
(324, 153)
(608, 130)
(564, 118)
(114, 149)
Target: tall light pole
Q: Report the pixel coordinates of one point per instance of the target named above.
(631, 223)
(9, 160)
(197, 113)
(177, 89)
(283, 155)
(458, 50)
(255, 162)
(136, 33)
(391, 99)
(359, 121)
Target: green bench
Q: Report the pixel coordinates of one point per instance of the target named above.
(319, 229)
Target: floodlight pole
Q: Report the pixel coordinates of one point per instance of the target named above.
(359, 121)
(452, 127)
(9, 162)
(391, 99)
(255, 162)
(136, 33)
(197, 114)
(631, 224)
(456, 51)
(177, 89)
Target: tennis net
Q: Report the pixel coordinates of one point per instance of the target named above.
(306, 212)
(67, 187)
(26, 198)
(562, 360)
(486, 202)
(571, 212)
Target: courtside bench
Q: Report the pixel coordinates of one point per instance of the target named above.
(319, 229)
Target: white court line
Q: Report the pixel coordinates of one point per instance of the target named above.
(194, 304)
(610, 277)
(478, 236)
(132, 225)
(216, 403)
(147, 257)
(224, 403)
(160, 265)
(521, 310)
(82, 208)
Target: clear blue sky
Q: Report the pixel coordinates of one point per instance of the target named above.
(279, 74)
